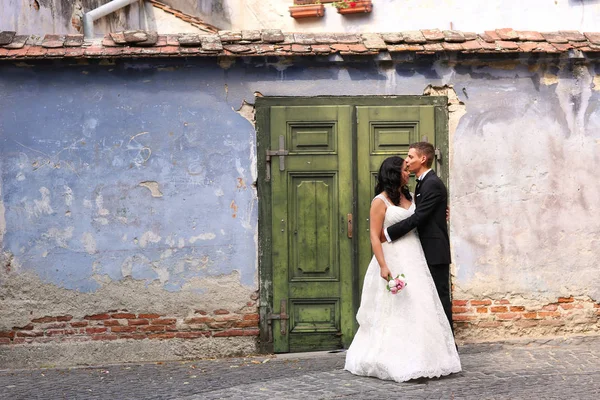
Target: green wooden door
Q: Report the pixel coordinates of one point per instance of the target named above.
(324, 154)
(311, 250)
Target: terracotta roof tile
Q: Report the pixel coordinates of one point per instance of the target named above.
(507, 34)
(454, 36)
(554, 37)
(433, 35)
(506, 45)
(452, 46)
(17, 43)
(530, 36)
(472, 45)
(574, 36)
(490, 36)
(392, 38)
(594, 37)
(275, 42)
(6, 37)
(414, 37)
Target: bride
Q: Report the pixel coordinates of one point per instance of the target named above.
(406, 335)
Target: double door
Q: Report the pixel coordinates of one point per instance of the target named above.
(319, 158)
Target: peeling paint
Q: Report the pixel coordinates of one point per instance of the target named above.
(153, 187)
(549, 79)
(204, 236)
(149, 237)
(596, 83)
(89, 243)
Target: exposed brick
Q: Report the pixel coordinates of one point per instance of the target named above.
(460, 303)
(508, 315)
(116, 329)
(168, 335)
(97, 317)
(463, 317)
(220, 312)
(459, 310)
(148, 316)
(230, 317)
(570, 306)
(79, 324)
(529, 315)
(481, 310)
(502, 301)
(112, 322)
(498, 309)
(526, 323)
(163, 321)
(489, 324)
(29, 333)
(123, 316)
(172, 328)
(245, 324)
(192, 335)
(201, 312)
(566, 299)
(517, 308)
(481, 302)
(229, 332)
(543, 314)
(596, 305)
(105, 337)
(251, 332)
(152, 328)
(7, 334)
(137, 322)
(135, 336)
(95, 329)
(4, 340)
(219, 325)
(55, 332)
(43, 319)
(64, 318)
(53, 325)
(199, 320)
(550, 307)
(251, 317)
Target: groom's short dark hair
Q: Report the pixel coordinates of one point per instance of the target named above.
(425, 149)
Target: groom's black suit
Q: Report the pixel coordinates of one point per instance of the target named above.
(431, 199)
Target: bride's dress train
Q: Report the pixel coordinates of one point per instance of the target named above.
(406, 335)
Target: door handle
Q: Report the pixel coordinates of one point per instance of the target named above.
(349, 226)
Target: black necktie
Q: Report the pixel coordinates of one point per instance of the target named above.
(418, 185)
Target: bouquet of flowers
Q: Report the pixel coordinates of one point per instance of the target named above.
(395, 285)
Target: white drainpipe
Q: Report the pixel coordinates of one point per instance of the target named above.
(91, 16)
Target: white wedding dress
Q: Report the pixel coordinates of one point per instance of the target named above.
(406, 335)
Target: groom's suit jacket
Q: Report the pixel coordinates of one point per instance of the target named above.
(431, 199)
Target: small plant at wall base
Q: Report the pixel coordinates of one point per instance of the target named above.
(353, 7)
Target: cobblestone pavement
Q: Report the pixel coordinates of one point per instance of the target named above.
(557, 369)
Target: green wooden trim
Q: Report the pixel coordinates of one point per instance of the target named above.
(354, 101)
(442, 139)
(265, 268)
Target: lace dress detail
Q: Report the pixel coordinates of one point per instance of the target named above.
(407, 335)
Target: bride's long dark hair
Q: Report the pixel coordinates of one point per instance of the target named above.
(389, 179)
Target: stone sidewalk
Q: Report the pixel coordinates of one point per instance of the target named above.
(546, 369)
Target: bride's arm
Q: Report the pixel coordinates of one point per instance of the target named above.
(377, 215)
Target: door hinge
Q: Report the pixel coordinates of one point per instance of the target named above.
(281, 153)
(283, 317)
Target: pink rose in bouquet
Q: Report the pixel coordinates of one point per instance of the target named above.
(396, 284)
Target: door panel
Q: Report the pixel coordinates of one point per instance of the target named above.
(311, 197)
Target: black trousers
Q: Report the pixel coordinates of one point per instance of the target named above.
(441, 277)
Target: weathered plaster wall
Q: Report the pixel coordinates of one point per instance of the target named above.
(130, 186)
(124, 188)
(394, 15)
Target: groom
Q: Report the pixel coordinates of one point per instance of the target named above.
(431, 198)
